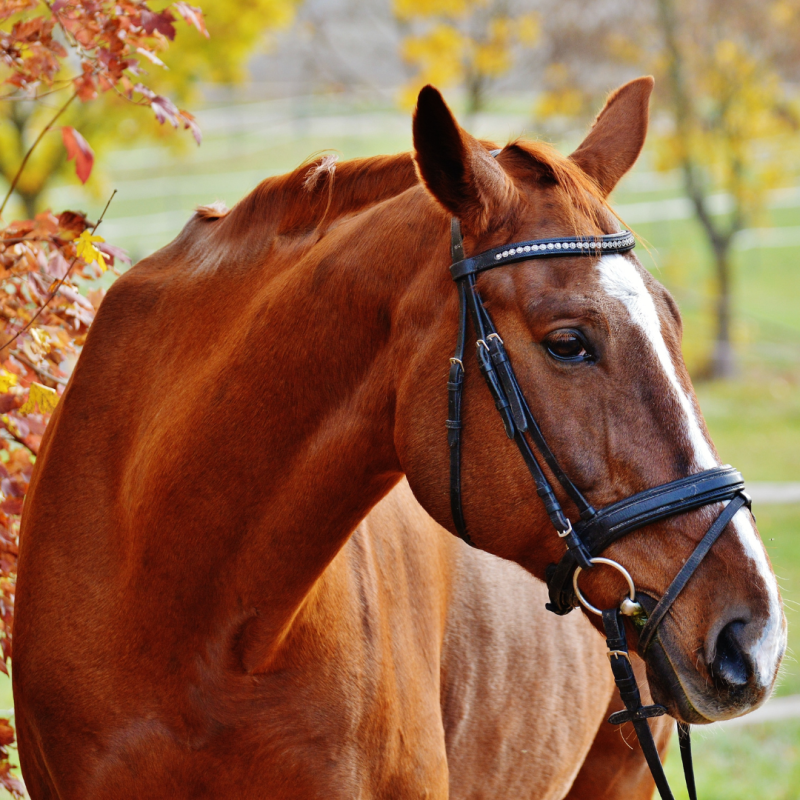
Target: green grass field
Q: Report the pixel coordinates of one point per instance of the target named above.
(754, 420)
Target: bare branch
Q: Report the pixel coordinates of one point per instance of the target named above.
(33, 147)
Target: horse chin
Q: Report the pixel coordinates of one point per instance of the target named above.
(689, 695)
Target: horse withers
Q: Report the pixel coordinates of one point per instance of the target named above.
(187, 625)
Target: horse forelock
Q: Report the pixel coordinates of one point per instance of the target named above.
(582, 197)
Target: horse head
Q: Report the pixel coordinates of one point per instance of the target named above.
(596, 346)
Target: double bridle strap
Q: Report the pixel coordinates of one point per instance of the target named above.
(593, 531)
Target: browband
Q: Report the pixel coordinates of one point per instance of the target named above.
(543, 248)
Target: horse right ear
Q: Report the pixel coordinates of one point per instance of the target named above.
(456, 169)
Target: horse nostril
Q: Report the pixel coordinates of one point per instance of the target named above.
(731, 665)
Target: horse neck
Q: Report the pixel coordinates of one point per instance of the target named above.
(322, 343)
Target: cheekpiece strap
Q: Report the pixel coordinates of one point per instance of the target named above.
(543, 248)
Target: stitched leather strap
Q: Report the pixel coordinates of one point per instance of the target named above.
(688, 569)
(668, 500)
(455, 385)
(629, 692)
(543, 248)
(614, 521)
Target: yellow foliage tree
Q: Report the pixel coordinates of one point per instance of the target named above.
(467, 43)
(721, 68)
(235, 31)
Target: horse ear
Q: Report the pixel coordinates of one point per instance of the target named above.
(456, 169)
(617, 136)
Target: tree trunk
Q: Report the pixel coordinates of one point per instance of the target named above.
(723, 360)
(476, 95)
(719, 236)
(31, 202)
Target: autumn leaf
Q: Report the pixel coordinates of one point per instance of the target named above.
(150, 56)
(189, 122)
(6, 733)
(41, 398)
(7, 380)
(151, 22)
(78, 148)
(193, 15)
(87, 250)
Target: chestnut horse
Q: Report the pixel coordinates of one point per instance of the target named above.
(195, 617)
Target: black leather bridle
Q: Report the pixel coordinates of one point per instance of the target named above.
(594, 530)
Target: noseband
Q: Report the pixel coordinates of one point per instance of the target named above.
(594, 530)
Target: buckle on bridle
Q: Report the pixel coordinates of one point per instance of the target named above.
(566, 532)
(619, 654)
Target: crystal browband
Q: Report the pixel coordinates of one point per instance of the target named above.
(544, 248)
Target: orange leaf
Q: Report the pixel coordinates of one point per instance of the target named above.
(78, 148)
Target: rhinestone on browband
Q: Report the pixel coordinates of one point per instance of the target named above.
(624, 243)
(543, 248)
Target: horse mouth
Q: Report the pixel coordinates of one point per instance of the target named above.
(695, 693)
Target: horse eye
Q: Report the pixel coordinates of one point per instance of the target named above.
(567, 345)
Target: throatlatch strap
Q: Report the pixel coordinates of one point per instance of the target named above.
(687, 570)
(629, 692)
(685, 744)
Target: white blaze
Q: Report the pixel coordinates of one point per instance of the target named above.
(622, 281)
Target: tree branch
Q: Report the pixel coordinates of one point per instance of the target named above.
(42, 373)
(32, 148)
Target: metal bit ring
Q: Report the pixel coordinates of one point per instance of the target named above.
(609, 563)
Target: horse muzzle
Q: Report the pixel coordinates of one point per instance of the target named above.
(732, 673)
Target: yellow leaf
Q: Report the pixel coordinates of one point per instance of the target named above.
(42, 339)
(42, 396)
(7, 380)
(88, 252)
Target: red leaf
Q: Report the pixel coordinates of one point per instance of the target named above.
(12, 505)
(78, 148)
(85, 84)
(193, 15)
(165, 109)
(158, 22)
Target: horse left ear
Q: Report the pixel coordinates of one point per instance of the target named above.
(617, 136)
(455, 167)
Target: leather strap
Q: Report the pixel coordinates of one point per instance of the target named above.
(543, 248)
(455, 385)
(687, 570)
(635, 713)
(685, 744)
(667, 500)
(614, 521)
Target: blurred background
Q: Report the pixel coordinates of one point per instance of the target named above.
(716, 193)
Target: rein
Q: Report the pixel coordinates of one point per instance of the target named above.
(594, 530)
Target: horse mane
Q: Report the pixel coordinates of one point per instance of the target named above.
(322, 190)
(316, 194)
